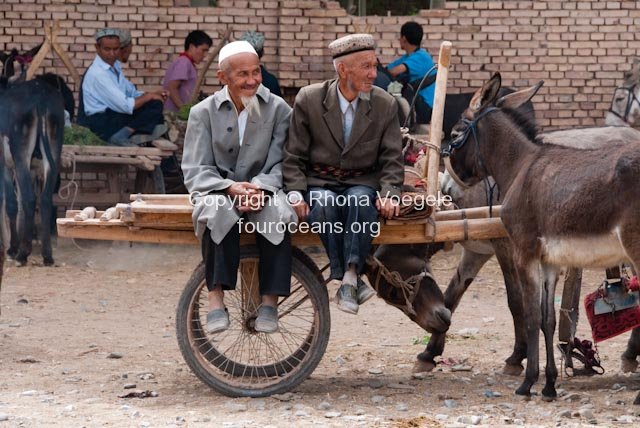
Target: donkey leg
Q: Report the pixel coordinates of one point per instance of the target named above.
(504, 251)
(27, 203)
(46, 208)
(548, 328)
(530, 281)
(11, 206)
(469, 266)
(629, 356)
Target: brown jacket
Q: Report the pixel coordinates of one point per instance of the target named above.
(316, 140)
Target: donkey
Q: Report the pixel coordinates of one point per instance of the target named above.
(31, 127)
(625, 105)
(586, 225)
(476, 253)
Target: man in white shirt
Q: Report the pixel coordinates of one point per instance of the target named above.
(112, 106)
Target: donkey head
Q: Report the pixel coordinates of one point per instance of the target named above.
(463, 154)
(625, 105)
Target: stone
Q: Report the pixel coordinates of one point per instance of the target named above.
(420, 375)
(572, 397)
(301, 414)
(129, 386)
(402, 407)
(377, 399)
(441, 417)
(332, 415)
(564, 414)
(115, 355)
(375, 383)
(287, 396)
(468, 332)
(375, 370)
(450, 404)
(461, 368)
(324, 406)
(4, 417)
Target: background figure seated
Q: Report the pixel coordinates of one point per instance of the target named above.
(113, 108)
(410, 69)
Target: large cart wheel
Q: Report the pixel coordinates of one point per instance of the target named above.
(241, 361)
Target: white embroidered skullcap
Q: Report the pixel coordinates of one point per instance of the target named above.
(351, 44)
(235, 48)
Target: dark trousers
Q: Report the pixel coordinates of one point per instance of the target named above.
(222, 261)
(347, 220)
(107, 123)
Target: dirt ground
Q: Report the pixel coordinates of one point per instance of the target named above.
(59, 325)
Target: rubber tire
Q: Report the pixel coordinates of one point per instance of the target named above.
(309, 276)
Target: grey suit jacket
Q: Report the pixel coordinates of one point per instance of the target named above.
(316, 138)
(213, 160)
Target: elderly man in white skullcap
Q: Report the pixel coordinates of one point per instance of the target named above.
(343, 162)
(232, 169)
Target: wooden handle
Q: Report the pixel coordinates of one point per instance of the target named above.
(437, 117)
(205, 68)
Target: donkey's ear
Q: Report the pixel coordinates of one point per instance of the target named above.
(33, 51)
(487, 94)
(516, 99)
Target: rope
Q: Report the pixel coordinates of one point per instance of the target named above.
(72, 183)
(409, 287)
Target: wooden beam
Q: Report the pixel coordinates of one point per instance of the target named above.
(451, 230)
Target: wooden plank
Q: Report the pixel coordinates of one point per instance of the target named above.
(161, 199)
(113, 150)
(478, 212)
(164, 145)
(452, 230)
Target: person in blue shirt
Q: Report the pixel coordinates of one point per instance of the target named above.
(113, 108)
(412, 67)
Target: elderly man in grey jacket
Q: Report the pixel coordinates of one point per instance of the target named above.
(232, 169)
(343, 162)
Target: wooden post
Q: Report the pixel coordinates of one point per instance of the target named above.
(437, 116)
(51, 41)
(205, 68)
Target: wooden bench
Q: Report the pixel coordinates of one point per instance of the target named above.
(114, 162)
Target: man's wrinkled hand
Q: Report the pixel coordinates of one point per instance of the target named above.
(302, 210)
(388, 207)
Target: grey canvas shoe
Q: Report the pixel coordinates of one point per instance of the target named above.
(267, 320)
(364, 292)
(217, 321)
(347, 299)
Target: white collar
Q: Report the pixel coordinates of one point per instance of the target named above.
(344, 104)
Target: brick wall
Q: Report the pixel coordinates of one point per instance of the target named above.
(580, 48)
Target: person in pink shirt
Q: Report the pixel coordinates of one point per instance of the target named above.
(180, 78)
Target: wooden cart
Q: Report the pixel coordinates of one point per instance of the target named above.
(241, 361)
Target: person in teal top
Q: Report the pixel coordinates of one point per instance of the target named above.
(411, 67)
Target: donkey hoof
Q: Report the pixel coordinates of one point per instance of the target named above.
(48, 261)
(549, 393)
(12, 253)
(21, 261)
(628, 365)
(512, 369)
(423, 366)
(524, 391)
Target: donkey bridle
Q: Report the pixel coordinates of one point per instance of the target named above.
(458, 142)
(631, 98)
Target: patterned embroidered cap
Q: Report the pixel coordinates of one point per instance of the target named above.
(255, 38)
(107, 32)
(125, 37)
(351, 44)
